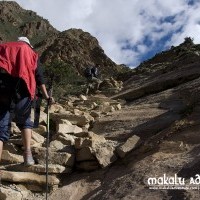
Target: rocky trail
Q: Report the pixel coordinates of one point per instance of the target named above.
(167, 123)
(167, 152)
(107, 149)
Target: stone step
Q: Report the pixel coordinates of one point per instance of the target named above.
(28, 177)
(54, 169)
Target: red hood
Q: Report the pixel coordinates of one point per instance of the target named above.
(19, 60)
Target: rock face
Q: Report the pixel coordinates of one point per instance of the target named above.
(161, 82)
(79, 49)
(16, 21)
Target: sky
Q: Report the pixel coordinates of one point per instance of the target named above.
(129, 31)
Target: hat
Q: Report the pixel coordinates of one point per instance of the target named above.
(25, 39)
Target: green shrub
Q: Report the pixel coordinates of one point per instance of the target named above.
(65, 79)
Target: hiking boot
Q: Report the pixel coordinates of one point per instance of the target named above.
(28, 158)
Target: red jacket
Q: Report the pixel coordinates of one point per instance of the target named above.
(19, 60)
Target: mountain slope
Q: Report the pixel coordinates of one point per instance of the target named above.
(79, 49)
(74, 46)
(165, 70)
(163, 110)
(15, 21)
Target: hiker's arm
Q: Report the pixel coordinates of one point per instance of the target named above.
(39, 77)
(44, 91)
(41, 83)
(45, 94)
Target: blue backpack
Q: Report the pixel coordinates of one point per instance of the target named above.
(88, 72)
(94, 71)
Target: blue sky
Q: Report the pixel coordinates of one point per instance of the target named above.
(129, 31)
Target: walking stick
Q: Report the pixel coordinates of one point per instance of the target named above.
(47, 139)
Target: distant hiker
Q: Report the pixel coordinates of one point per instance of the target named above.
(93, 82)
(19, 76)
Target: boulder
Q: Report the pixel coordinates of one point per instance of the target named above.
(55, 108)
(82, 97)
(77, 112)
(79, 120)
(37, 137)
(67, 128)
(65, 121)
(12, 193)
(60, 158)
(96, 138)
(81, 134)
(12, 148)
(98, 146)
(83, 142)
(95, 114)
(104, 153)
(85, 154)
(28, 177)
(66, 139)
(41, 130)
(18, 141)
(52, 168)
(117, 106)
(106, 109)
(93, 105)
(8, 157)
(69, 104)
(128, 146)
(57, 145)
(89, 141)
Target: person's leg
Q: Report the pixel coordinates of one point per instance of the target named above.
(26, 138)
(88, 86)
(87, 91)
(4, 127)
(23, 112)
(4, 122)
(96, 82)
(1, 148)
(5, 119)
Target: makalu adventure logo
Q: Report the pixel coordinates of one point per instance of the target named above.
(173, 182)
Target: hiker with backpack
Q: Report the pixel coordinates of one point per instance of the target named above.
(19, 76)
(93, 82)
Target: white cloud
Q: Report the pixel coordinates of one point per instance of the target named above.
(124, 26)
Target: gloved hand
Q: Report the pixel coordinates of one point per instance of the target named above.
(50, 101)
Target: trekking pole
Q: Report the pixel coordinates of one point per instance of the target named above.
(47, 139)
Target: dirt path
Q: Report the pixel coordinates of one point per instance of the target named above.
(121, 123)
(172, 147)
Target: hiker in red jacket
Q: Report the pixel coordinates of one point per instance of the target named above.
(19, 75)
